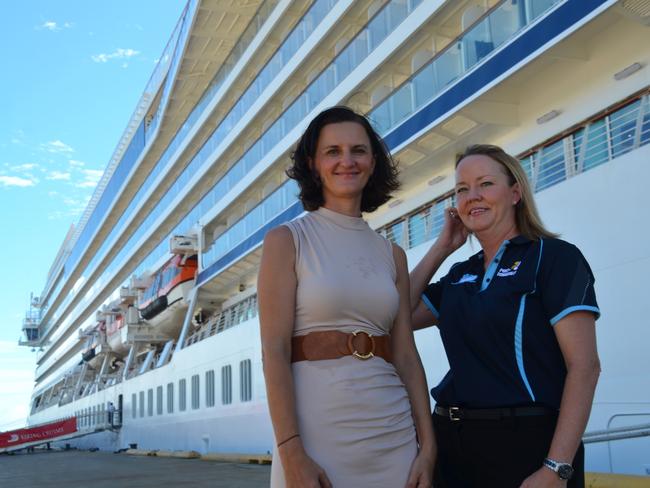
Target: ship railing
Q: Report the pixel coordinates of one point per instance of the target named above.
(601, 139)
(607, 435)
(225, 319)
(492, 30)
(98, 418)
(185, 128)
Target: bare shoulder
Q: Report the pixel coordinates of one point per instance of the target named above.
(400, 259)
(399, 254)
(278, 235)
(278, 245)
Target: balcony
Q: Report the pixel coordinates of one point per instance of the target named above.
(30, 330)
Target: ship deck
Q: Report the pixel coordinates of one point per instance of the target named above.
(101, 469)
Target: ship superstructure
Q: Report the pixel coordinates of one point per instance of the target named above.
(151, 302)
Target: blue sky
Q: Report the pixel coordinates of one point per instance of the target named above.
(72, 74)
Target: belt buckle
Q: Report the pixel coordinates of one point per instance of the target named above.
(454, 414)
(356, 353)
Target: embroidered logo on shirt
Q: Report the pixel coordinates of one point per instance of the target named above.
(467, 278)
(509, 271)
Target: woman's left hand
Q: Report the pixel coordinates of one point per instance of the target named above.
(421, 474)
(543, 478)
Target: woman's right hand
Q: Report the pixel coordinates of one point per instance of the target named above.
(454, 233)
(301, 471)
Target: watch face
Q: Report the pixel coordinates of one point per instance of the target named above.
(565, 471)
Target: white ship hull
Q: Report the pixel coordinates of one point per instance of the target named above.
(553, 77)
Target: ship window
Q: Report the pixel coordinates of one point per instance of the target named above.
(245, 388)
(596, 150)
(552, 166)
(94, 416)
(645, 126)
(537, 7)
(209, 388)
(170, 397)
(159, 400)
(142, 404)
(182, 405)
(134, 405)
(622, 125)
(195, 391)
(226, 385)
(150, 402)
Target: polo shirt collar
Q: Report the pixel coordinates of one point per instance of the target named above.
(493, 266)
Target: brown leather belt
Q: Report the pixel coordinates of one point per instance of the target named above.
(334, 344)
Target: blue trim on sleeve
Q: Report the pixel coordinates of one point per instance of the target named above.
(575, 308)
(494, 264)
(430, 306)
(519, 329)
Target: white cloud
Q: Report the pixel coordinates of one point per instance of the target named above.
(57, 147)
(24, 167)
(18, 137)
(119, 53)
(52, 26)
(16, 181)
(78, 164)
(58, 175)
(91, 178)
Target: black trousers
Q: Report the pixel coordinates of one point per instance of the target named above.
(495, 453)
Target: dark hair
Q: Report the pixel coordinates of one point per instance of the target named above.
(381, 183)
(527, 218)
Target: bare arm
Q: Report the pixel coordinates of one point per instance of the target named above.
(276, 288)
(409, 367)
(576, 334)
(452, 236)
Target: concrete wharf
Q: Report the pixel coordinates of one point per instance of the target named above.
(102, 469)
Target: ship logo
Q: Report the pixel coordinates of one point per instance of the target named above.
(14, 438)
(511, 271)
(467, 278)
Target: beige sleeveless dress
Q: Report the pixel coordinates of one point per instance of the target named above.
(354, 416)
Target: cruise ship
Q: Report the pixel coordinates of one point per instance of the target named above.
(150, 305)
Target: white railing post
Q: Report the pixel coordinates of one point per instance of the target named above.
(639, 122)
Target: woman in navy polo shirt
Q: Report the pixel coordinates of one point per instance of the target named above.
(517, 321)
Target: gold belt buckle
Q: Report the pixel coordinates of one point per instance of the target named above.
(356, 353)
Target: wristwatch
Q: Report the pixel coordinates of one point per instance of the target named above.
(563, 470)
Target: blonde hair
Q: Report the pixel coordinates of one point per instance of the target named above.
(527, 218)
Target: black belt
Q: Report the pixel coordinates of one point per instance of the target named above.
(460, 413)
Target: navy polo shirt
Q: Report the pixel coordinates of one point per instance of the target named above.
(497, 325)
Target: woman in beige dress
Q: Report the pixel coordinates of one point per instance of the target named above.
(346, 388)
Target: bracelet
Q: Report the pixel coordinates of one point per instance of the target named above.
(288, 439)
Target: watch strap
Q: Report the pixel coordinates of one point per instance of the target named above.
(563, 470)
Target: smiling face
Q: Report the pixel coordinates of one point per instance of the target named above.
(485, 196)
(344, 163)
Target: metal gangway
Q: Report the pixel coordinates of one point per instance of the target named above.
(60, 430)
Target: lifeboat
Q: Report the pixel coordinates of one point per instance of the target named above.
(164, 302)
(114, 325)
(90, 353)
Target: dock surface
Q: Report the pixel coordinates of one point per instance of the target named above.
(101, 469)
